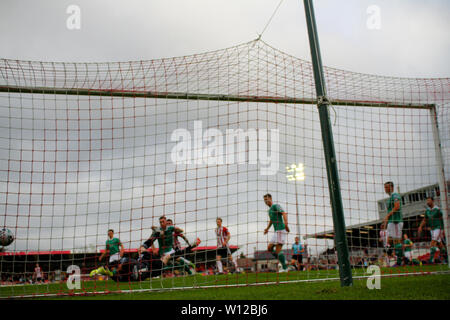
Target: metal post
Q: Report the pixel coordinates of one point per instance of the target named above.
(441, 175)
(340, 237)
(297, 210)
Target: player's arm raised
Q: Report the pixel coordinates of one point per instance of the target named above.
(178, 230)
(184, 238)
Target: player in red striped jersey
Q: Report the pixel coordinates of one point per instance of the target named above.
(179, 252)
(223, 249)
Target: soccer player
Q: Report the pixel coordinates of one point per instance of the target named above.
(177, 244)
(278, 218)
(149, 263)
(38, 273)
(407, 247)
(393, 222)
(165, 235)
(114, 248)
(297, 257)
(223, 249)
(181, 253)
(434, 219)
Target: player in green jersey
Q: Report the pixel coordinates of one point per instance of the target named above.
(434, 219)
(393, 222)
(407, 247)
(115, 250)
(165, 236)
(277, 218)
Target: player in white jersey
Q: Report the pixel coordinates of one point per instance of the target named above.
(223, 249)
(38, 273)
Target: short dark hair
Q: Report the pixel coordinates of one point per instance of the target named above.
(111, 230)
(268, 195)
(162, 217)
(430, 197)
(218, 218)
(389, 183)
(169, 220)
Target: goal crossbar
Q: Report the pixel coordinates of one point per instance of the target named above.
(201, 96)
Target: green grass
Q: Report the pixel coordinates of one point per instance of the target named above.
(410, 287)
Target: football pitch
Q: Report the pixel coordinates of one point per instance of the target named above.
(406, 283)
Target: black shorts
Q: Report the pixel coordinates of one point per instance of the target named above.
(113, 264)
(183, 252)
(223, 252)
(297, 257)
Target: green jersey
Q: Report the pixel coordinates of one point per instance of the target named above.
(275, 215)
(165, 239)
(397, 216)
(407, 242)
(398, 248)
(434, 218)
(113, 246)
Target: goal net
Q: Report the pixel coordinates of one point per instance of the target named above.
(89, 147)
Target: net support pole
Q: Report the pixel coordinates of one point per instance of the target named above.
(441, 175)
(340, 238)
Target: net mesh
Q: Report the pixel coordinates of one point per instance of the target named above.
(87, 147)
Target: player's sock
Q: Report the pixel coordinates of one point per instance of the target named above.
(187, 264)
(432, 253)
(182, 263)
(282, 260)
(219, 266)
(235, 264)
(399, 253)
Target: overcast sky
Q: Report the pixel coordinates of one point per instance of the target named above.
(412, 42)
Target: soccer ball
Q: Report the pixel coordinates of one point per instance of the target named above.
(6, 237)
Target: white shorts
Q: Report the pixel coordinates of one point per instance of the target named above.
(436, 235)
(114, 257)
(168, 253)
(394, 230)
(408, 255)
(279, 237)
